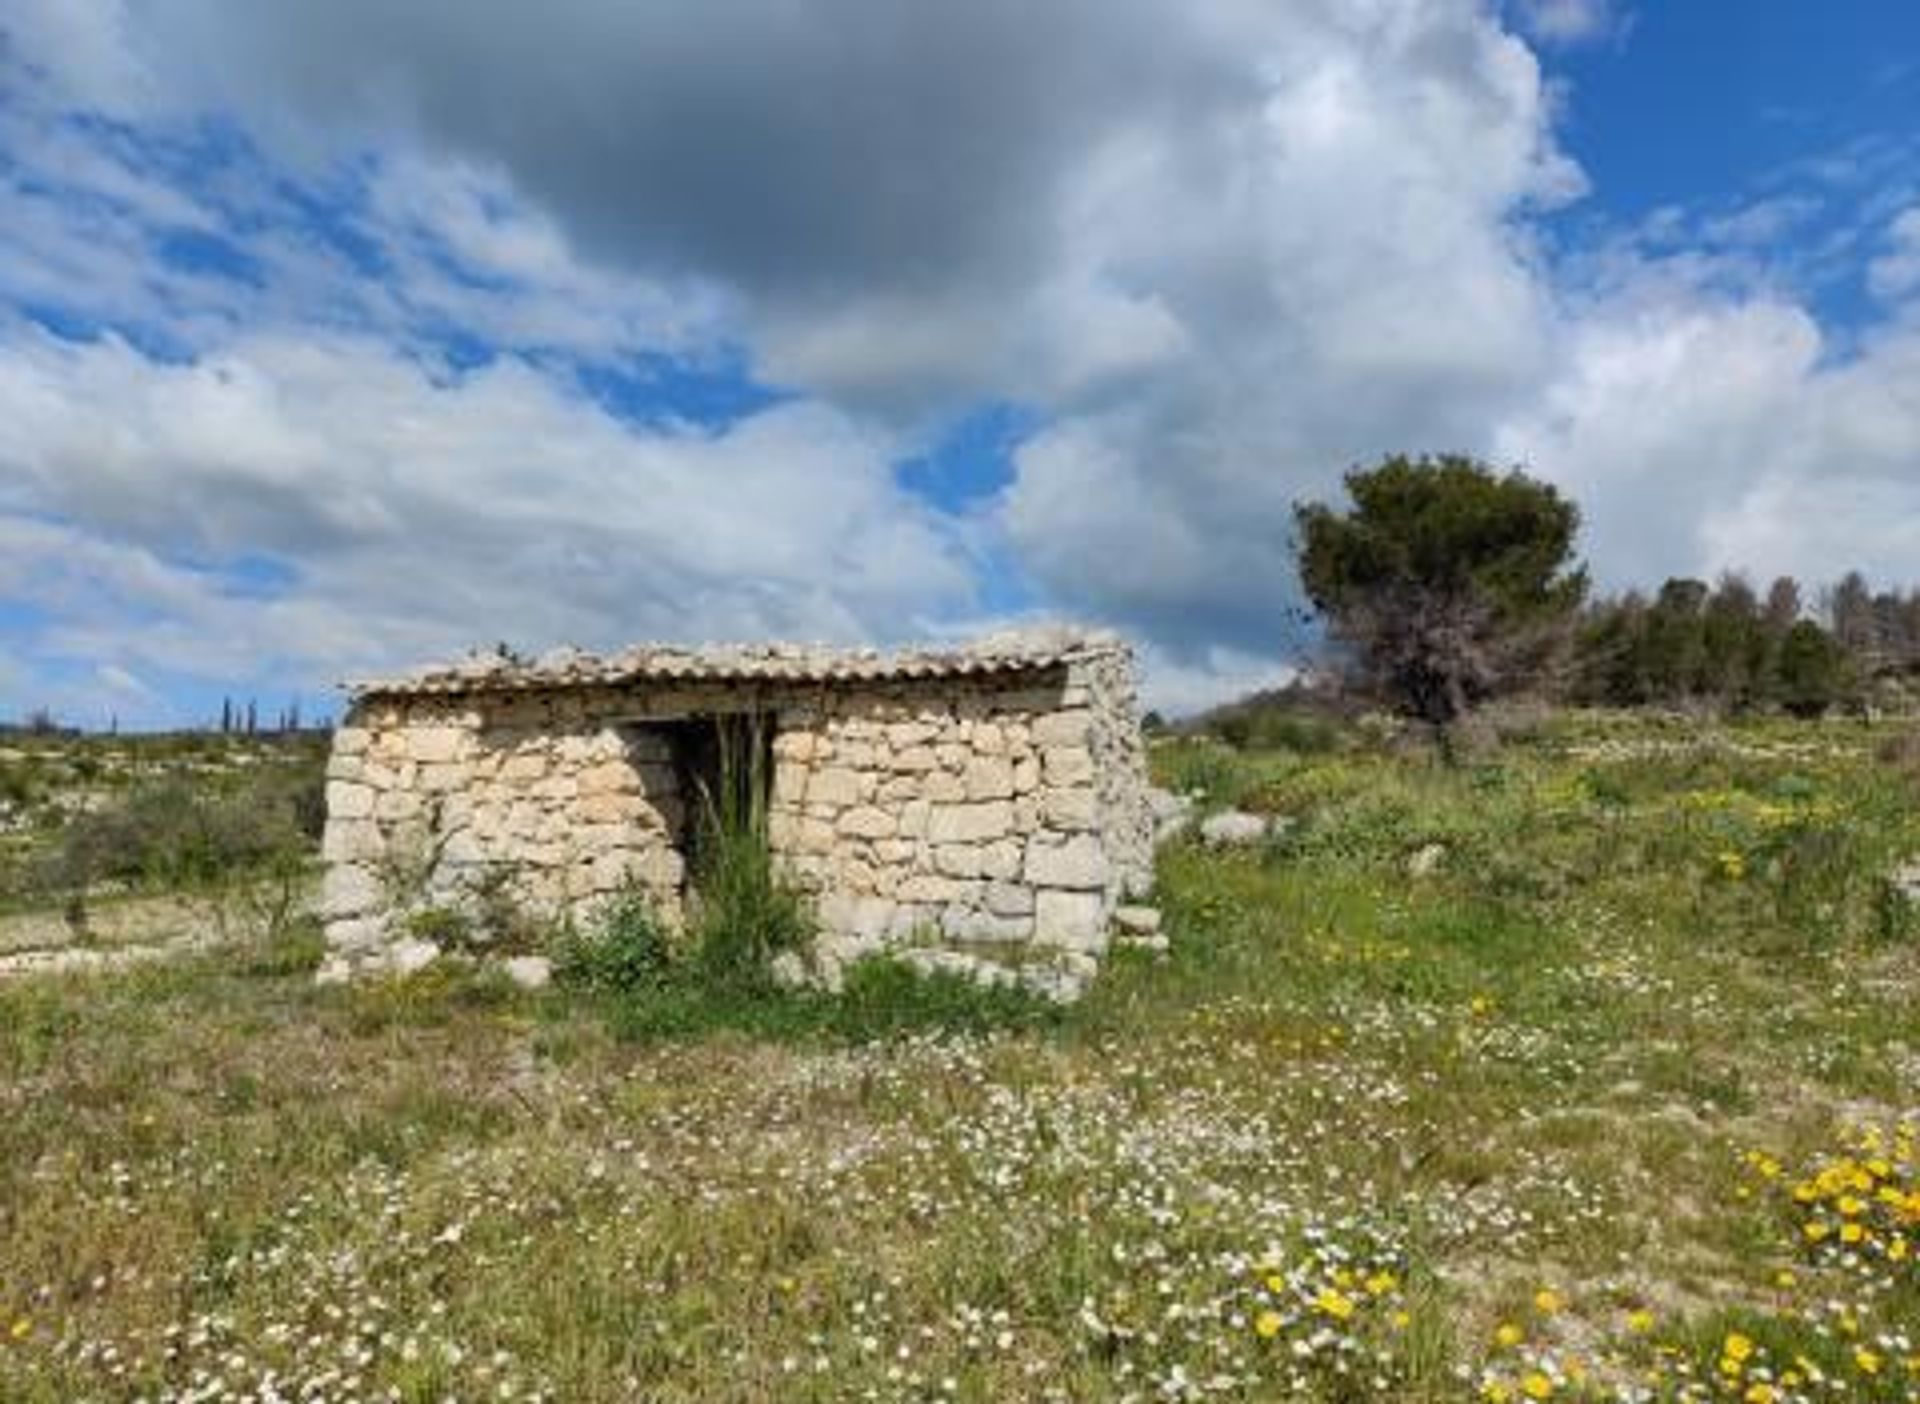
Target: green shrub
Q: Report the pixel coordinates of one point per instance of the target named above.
(625, 950)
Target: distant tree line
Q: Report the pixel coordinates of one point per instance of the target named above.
(1448, 583)
(1727, 648)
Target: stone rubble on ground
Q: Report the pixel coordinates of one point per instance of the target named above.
(1233, 828)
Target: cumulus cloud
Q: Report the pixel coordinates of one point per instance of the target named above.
(1570, 21)
(422, 515)
(1218, 250)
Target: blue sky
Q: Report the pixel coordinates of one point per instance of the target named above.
(340, 339)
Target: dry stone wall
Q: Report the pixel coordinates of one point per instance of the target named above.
(1004, 815)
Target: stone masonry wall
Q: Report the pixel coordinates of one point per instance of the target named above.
(998, 814)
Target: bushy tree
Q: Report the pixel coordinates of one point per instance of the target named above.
(1814, 670)
(1447, 581)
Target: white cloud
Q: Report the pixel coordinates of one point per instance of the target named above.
(1570, 21)
(424, 516)
(1895, 274)
(1226, 249)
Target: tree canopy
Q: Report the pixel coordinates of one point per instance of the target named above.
(1447, 581)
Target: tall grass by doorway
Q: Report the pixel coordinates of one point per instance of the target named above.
(744, 911)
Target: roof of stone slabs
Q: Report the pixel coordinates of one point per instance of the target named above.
(1020, 651)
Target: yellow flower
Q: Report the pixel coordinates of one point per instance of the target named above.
(1548, 1302)
(1851, 1233)
(1784, 1278)
(1267, 1325)
(1508, 1335)
(1496, 1392)
(1334, 1303)
(1760, 1392)
(1481, 1006)
(1640, 1321)
(1381, 1283)
(21, 1329)
(1402, 1320)
(1867, 1360)
(1276, 1283)
(1739, 1347)
(1536, 1385)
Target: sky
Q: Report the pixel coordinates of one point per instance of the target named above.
(340, 339)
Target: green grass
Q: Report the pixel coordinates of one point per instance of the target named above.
(1356, 1125)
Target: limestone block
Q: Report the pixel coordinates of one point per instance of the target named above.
(795, 745)
(914, 816)
(1062, 729)
(1001, 859)
(989, 739)
(1009, 899)
(350, 890)
(351, 841)
(897, 789)
(913, 760)
(988, 778)
(953, 755)
(834, 785)
(348, 801)
(925, 887)
(608, 778)
(351, 741)
(1075, 920)
(523, 767)
(961, 923)
(529, 972)
(1074, 808)
(895, 852)
(861, 919)
(357, 933)
(350, 769)
(958, 859)
(1078, 863)
(1026, 775)
(436, 744)
(398, 807)
(969, 823)
(855, 875)
(944, 787)
(445, 777)
(1068, 765)
(609, 809)
(804, 834)
(1136, 920)
(907, 734)
(867, 822)
(856, 755)
(790, 782)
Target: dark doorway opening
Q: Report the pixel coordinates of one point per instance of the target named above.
(724, 766)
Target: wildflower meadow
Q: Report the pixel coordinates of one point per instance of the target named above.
(1615, 1096)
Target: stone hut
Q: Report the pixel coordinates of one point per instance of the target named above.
(984, 803)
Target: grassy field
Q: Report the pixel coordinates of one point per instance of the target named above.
(1618, 1101)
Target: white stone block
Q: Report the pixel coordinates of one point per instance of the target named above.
(867, 822)
(349, 890)
(1074, 920)
(1062, 729)
(988, 778)
(348, 801)
(969, 823)
(1078, 862)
